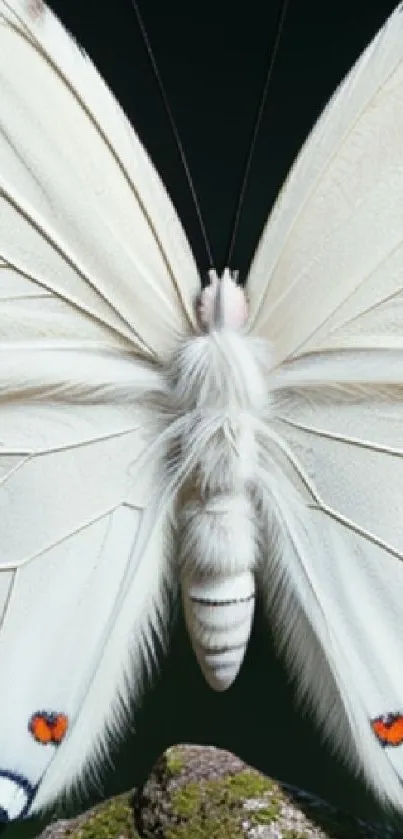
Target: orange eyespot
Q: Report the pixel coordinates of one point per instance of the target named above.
(48, 727)
(388, 728)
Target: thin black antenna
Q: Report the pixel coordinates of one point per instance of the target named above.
(255, 131)
(173, 127)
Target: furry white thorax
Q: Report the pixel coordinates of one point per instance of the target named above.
(218, 389)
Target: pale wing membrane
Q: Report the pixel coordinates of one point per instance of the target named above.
(96, 288)
(341, 558)
(328, 273)
(84, 217)
(82, 584)
(326, 290)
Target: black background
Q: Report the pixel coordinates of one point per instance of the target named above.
(213, 56)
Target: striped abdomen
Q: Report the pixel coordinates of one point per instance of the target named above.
(218, 585)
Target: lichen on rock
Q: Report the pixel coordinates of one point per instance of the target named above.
(111, 820)
(199, 792)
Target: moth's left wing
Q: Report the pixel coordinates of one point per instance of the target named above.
(96, 287)
(326, 291)
(85, 219)
(84, 565)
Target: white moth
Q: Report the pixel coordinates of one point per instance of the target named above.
(146, 439)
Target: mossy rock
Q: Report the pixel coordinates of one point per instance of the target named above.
(112, 820)
(199, 792)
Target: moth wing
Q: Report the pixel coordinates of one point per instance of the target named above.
(84, 217)
(327, 272)
(326, 291)
(96, 288)
(334, 486)
(84, 568)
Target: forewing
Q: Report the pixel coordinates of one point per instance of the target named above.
(84, 218)
(328, 270)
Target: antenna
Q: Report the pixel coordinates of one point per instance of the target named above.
(255, 130)
(254, 136)
(174, 128)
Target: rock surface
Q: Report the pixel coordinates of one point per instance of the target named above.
(199, 792)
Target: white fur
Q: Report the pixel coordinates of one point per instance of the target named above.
(219, 387)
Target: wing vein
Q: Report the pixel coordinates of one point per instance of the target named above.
(27, 34)
(11, 566)
(52, 239)
(313, 185)
(321, 505)
(342, 438)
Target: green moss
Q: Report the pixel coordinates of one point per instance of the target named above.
(186, 801)
(223, 827)
(174, 762)
(214, 809)
(266, 815)
(248, 784)
(113, 821)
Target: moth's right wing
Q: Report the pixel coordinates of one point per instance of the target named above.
(326, 275)
(326, 290)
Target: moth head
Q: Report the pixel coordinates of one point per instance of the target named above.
(222, 304)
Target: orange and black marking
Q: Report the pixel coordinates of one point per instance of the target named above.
(48, 727)
(388, 728)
